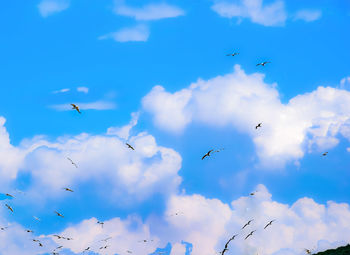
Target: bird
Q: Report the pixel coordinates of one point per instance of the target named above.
(250, 234)
(106, 239)
(223, 251)
(253, 193)
(247, 224)
(268, 224)
(68, 189)
(3, 228)
(227, 243)
(257, 126)
(129, 251)
(232, 54)
(35, 240)
(72, 162)
(145, 241)
(9, 195)
(307, 251)
(87, 249)
(101, 223)
(59, 247)
(129, 146)
(263, 63)
(36, 218)
(29, 231)
(176, 214)
(68, 238)
(104, 247)
(9, 207)
(40, 244)
(75, 107)
(325, 154)
(207, 154)
(58, 214)
(58, 237)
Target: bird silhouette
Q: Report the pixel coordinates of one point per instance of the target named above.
(307, 251)
(9, 207)
(58, 237)
(58, 214)
(40, 244)
(36, 218)
(72, 162)
(129, 146)
(325, 154)
(29, 231)
(268, 224)
(207, 154)
(35, 240)
(263, 63)
(68, 189)
(9, 195)
(106, 239)
(75, 107)
(101, 223)
(3, 228)
(257, 126)
(232, 54)
(87, 249)
(250, 234)
(247, 224)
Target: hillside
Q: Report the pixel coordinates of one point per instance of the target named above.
(345, 250)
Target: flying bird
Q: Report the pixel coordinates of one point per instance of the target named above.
(247, 224)
(58, 214)
(207, 154)
(325, 154)
(9, 207)
(58, 237)
(106, 239)
(75, 107)
(263, 63)
(3, 228)
(101, 223)
(68, 189)
(40, 244)
(129, 146)
(253, 193)
(36, 218)
(72, 162)
(29, 231)
(307, 251)
(223, 251)
(268, 224)
(68, 238)
(250, 234)
(35, 240)
(145, 241)
(59, 247)
(87, 249)
(9, 195)
(104, 247)
(232, 54)
(257, 126)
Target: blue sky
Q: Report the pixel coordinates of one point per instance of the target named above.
(155, 74)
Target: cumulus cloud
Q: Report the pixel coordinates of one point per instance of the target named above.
(124, 132)
(208, 223)
(241, 101)
(308, 15)
(267, 14)
(148, 12)
(97, 105)
(345, 83)
(139, 33)
(49, 7)
(83, 90)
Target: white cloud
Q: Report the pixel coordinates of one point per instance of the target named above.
(49, 7)
(308, 15)
(98, 105)
(208, 223)
(307, 122)
(345, 83)
(124, 132)
(139, 33)
(83, 90)
(61, 91)
(148, 12)
(269, 14)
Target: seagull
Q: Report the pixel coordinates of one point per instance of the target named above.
(232, 54)
(207, 154)
(3, 228)
(325, 154)
(29, 231)
(68, 189)
(35, 240)
(268, 224)
(307, 251)
(40, 244)
(105, 240)
(58, 214)
(72, 162)
(145, 241)
(227, 243)
(68, 238)
(223, 251)
(36, 218)
(247, 224)
(176, 214)
(129, 146)
(250, 234)
(104, 247)
(9, 195)
(75, 107)
(9, 207)
(58, 237)
(87, 249)
(59, 247)
(101, 223)
(263, 63)
(257, 126)
(253, 193)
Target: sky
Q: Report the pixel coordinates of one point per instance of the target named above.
(156, 75)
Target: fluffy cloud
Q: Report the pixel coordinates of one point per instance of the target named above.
(208, 223)
(49, 7)
(271, 14)
(241, 100)
(124, 132)
(308, 15)
(148, 12)
(97, 105)
(139, 33)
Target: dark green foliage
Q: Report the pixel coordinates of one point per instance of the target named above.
(345, 250)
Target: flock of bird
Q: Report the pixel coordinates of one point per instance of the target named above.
(88, 249)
